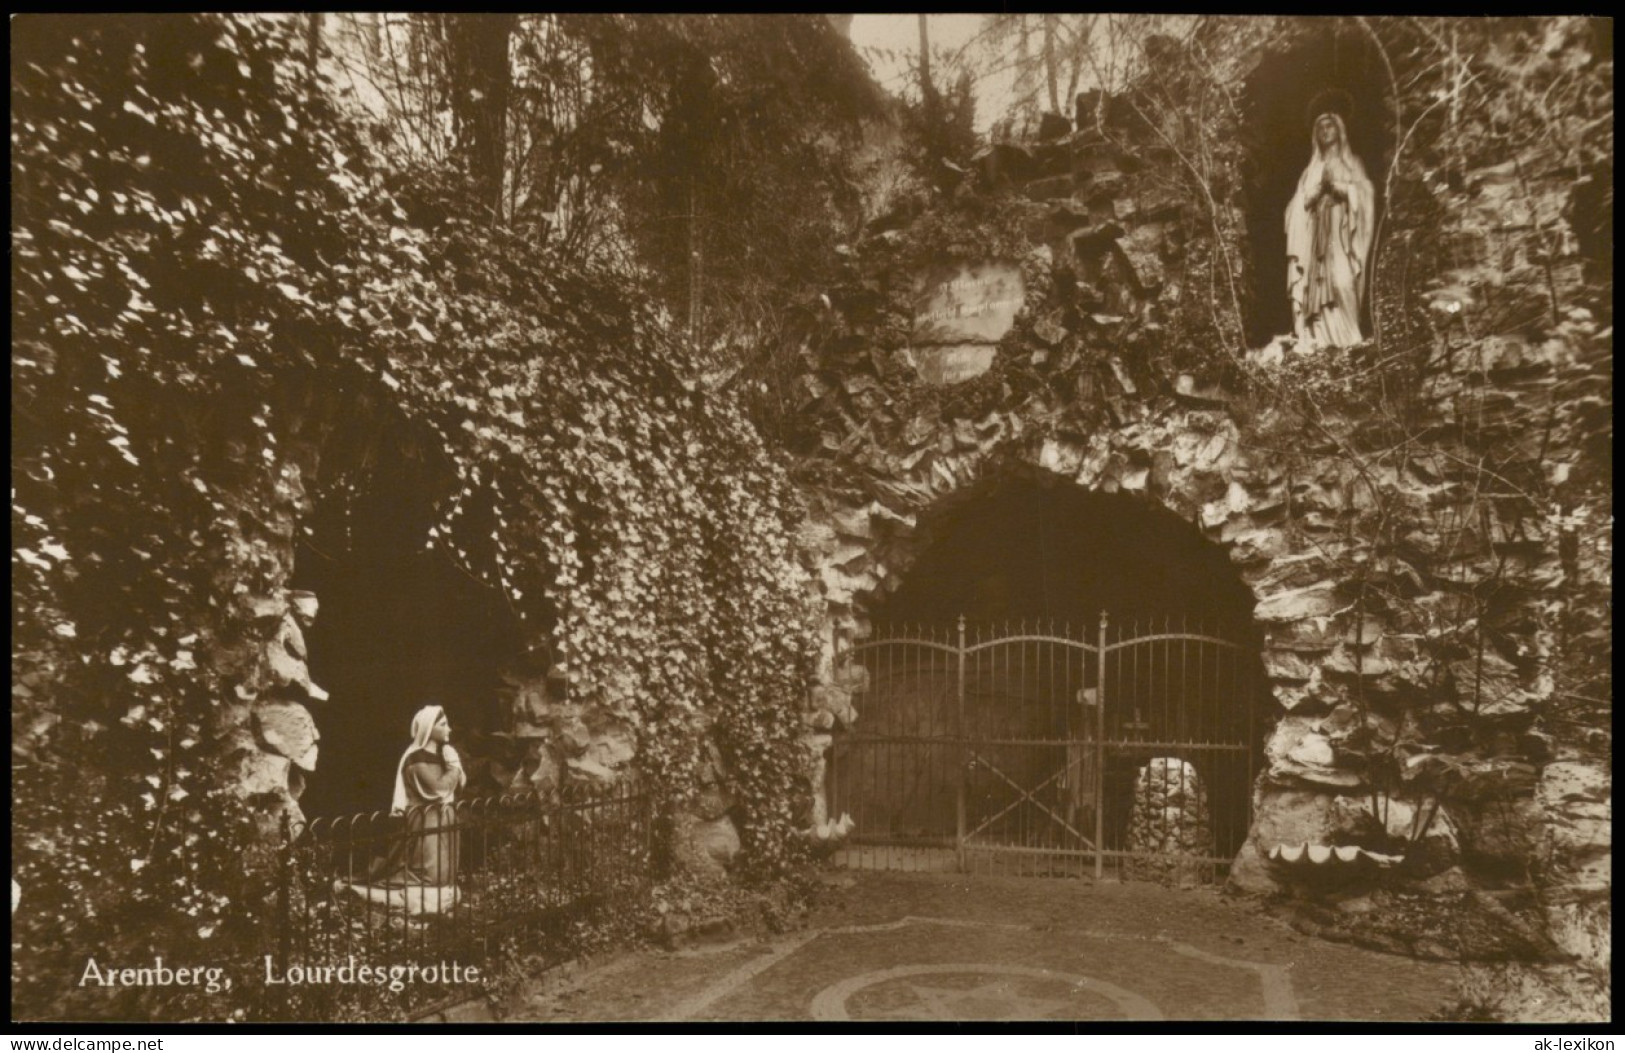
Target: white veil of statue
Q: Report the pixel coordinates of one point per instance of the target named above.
(1329, 223)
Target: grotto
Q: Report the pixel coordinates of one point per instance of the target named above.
(1033, 574)
(1327, 492)
(1030, 541)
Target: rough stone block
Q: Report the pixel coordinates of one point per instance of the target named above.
(613, 741)
(266, 610)
(815, 537)
(1214, 513)
(589, 770)
(258, 772)
(1311, 601)
(854, 522)
(1050, 331)
(473, 1011)
(1061, 457)
(955, 364)
(1299, 752)
(1432, 849)
(1496, 778)
(1348, 662)
(285, 658)
(1583, 929)
(287, 729)
(712, 803)
(1289, 817)
(1144, 266)
(1311, 750)
(543, 769)
(847, 555)
(1311, 634)
(1287, 665)
(1574, 797)
(1490, 685)
(1049, 189)
(1255, 546)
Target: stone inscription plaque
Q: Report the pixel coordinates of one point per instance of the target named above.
(954, 363)
(974, 304)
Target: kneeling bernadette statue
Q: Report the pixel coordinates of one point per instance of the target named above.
(419, 874)
(1329, 225)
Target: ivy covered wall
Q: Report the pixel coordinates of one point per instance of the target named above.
(226, 314)
(229, 312)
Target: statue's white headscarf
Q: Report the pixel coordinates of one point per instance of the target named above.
(1317, 156)
(422, 728)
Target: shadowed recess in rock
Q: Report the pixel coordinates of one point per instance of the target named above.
(400, 626)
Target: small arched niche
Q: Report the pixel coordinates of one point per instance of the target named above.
(1334, 59)
(401, 624)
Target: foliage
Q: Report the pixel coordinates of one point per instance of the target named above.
(714, 151)
(175, 207)
(941, 133)
(206, 253)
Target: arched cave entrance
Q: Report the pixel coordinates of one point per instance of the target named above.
(1009, 740)
(400, 626)
(1334, 56)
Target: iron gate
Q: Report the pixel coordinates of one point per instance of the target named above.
(1049, 749)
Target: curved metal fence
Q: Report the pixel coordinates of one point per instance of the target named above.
(459, 884)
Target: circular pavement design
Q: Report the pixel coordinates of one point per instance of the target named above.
(977, 992)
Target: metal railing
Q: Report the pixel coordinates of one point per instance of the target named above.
(1049, 748)
(460, 883)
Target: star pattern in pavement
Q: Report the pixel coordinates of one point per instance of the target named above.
(991, 1000)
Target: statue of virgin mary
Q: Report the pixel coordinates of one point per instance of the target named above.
(1328, 240)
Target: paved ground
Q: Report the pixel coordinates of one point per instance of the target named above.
(926, 946)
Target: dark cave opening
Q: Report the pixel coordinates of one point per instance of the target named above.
(1024, 559)
(1029, 548)
(400, 626)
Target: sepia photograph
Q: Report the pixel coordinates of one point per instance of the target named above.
(1096, 521)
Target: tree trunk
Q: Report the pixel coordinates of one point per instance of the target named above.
(1080, 48)
(480, 79)
(313, 39)
(925, 61)
(695, 265)
(1051, 77)
(928, 99)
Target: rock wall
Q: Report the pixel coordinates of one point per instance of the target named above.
(267, 735)
(1382, 735)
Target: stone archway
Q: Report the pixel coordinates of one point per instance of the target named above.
(1187, 462)
(1027, 579)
